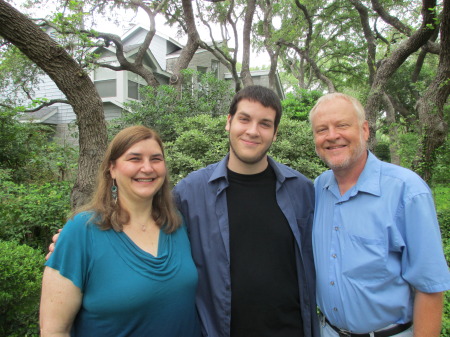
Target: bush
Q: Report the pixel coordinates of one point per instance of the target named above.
(409, 142)
(441, 194)
(441, 171)
(200, 140)
(446, 242)
(20, 284)
(297, 105)
(26, 150)
(442, 198)
(31, 213)
(445, 332)
(382, 151)
(295, 147)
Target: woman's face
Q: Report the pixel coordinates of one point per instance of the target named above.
(139, 172)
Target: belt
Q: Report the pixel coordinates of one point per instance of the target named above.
(382, 333)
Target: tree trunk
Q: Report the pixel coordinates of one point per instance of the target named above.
(188, 51)
(245, 71)
(73, 82)
(433, 128)
(273, 49)
(393, 130)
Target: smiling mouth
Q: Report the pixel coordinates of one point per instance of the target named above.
(249, 142)
(147, 180)
(336, 147)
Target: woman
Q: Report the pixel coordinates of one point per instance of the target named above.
(123, 266)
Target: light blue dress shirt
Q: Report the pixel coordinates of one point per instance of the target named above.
(374, 245)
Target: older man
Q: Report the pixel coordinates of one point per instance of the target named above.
(377, 246)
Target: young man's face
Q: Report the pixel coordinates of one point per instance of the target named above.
(338, 134)
(251, 132)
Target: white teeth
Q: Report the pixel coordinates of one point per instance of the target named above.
(145, 180)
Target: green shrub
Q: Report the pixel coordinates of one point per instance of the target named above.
(20, 283)
(200, 140)
(444, 222)
(441, 195)
(297, 104)
(446, 315)
(442, 198)
(441, 171)
(382, 151)
(407, 151)
(31, 213)
(295, 147)
(26, 150)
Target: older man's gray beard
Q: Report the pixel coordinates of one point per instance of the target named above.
(346, 163)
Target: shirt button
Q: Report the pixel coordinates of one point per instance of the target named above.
(336, 228)
(332, 283)
(335, 309)
(334, 256)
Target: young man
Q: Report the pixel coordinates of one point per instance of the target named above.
(249, 220)
(377, 246)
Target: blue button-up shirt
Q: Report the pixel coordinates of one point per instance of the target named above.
(373, 244)
(201, 197)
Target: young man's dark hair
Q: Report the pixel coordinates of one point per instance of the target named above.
(263, 95)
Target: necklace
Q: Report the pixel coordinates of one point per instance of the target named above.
(145, 225)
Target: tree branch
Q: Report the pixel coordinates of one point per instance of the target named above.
(389, 19)
(48, 103)
(313, 64)
(369, 36)
(310, 24)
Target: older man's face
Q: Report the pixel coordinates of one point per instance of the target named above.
(339, 137)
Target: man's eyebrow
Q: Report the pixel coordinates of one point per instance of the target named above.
(267, 120)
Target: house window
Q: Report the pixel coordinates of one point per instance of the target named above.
(215, 68)
(105, 82)
(106, 88)
(135, 83)
(133, 90)
(200, 72)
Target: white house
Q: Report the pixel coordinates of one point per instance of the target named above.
(117, 87)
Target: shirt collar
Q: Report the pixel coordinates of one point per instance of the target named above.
(368, 181)
(220, 171)
(282, 172)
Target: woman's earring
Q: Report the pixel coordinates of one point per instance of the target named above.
(114, 191)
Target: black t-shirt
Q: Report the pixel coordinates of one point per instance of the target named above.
(264, 286)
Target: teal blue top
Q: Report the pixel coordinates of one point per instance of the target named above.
(127, 291)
